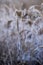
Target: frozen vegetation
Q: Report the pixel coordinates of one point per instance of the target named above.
(21, 35)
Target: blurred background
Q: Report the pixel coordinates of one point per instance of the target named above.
(18, 3)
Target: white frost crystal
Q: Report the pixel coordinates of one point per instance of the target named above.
(21, 34)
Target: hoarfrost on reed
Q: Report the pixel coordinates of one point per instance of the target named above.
(21, 35)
